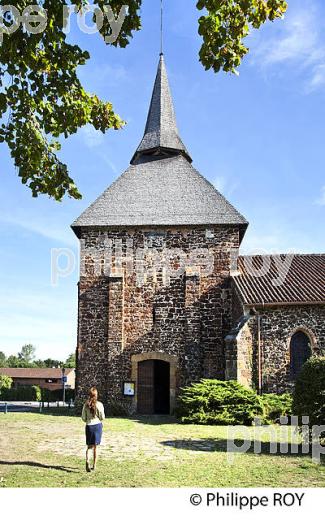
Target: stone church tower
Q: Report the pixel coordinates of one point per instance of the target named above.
(157, 250)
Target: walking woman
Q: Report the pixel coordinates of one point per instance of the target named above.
(93, 414)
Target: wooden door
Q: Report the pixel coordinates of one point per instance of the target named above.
(162, 387)
(300, 351)
(145, 393)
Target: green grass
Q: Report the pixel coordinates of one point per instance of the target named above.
(43, 450)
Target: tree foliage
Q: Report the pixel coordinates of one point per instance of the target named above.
(26, 359)
(225, 26)
(3, 360)
(70, 362)
(27, 353)
(5, 383)
(42, 98)
(52, 363)
(15, 362)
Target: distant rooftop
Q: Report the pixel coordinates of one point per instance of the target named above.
(37, 373)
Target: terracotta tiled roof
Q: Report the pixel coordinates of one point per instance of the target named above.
(35, 373)
(283, 279)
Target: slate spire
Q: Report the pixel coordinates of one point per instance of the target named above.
(161, 136)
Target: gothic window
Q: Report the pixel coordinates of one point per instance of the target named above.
(300, 351)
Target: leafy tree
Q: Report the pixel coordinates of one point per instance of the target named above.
(226, 24)
(41, 97)
(39, 363)
(52, 363)
(70, 361)
(15, 362)
(27, 354)
(5, 383)
(3, 360)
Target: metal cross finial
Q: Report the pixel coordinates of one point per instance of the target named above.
(161, 27)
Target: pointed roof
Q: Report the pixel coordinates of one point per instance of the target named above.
(160, 192)
(160, 187)
(161, 132)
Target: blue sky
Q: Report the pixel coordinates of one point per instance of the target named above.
(258, 137)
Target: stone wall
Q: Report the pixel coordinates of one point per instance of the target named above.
(239, 353)
(277, 326)
(128, 308)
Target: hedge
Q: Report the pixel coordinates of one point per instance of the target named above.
(56, 395)
(21, 393)
(35, 393)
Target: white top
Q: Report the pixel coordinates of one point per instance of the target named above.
(88, 417)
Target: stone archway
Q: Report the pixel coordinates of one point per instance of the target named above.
(302, 345)
(156, 356)
(308, 332)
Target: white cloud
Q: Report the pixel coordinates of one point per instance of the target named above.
(321, 200)
(91, 137)
(296, 41)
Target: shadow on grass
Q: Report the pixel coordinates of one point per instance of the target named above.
(37, 465)
(222, 445)
(154, 420)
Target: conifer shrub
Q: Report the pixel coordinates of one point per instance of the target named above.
(276, 406)
(309, 393)
(218, 402)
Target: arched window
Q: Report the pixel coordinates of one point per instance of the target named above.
(300, 351)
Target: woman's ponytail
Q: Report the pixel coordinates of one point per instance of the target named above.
(92, 400)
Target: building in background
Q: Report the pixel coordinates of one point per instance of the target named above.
(49, 378)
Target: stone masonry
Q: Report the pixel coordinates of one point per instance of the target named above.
(189, 318)
(277, 326)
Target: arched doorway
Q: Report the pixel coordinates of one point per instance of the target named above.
(153, 392)
(300, 352)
